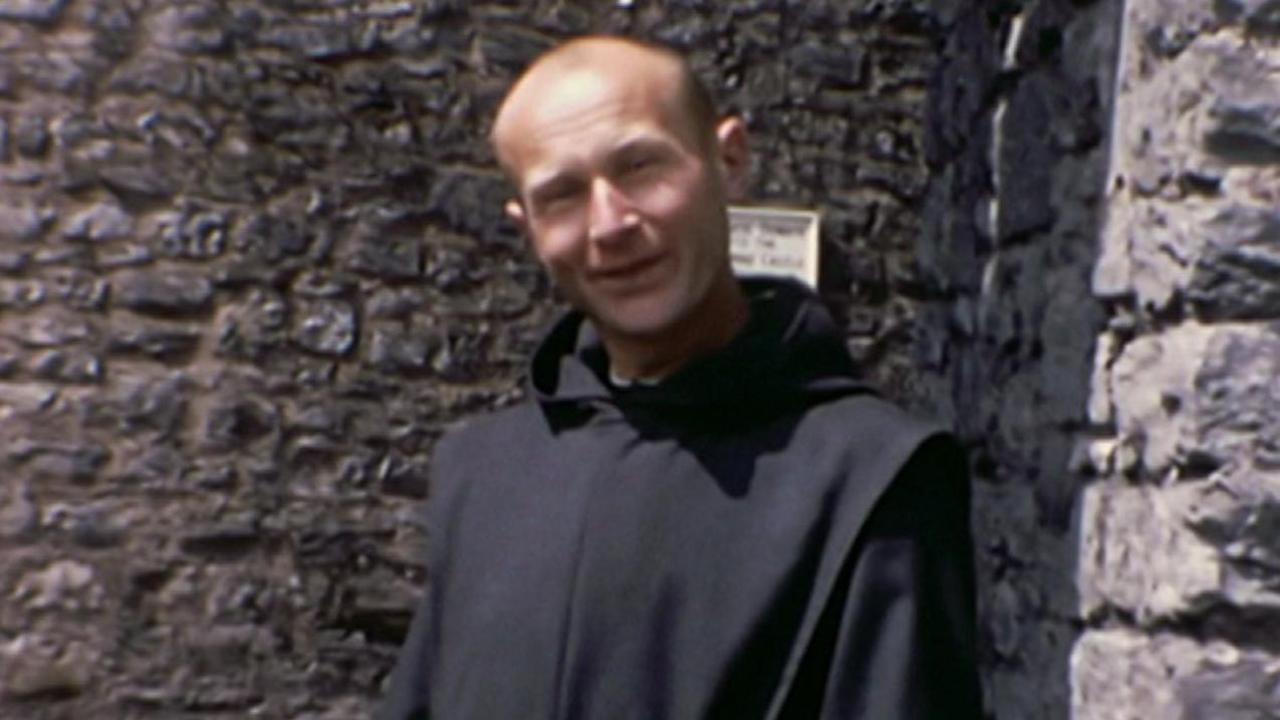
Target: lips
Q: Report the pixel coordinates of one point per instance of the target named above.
(628, 271)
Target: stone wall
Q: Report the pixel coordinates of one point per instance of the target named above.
(252, 264)
(1019, 114)
(1179, 578)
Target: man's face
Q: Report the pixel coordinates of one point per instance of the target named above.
(622, 197)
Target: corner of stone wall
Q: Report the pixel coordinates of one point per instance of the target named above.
(1178, 575)
(1020, 110)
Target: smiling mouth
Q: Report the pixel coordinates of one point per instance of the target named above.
(629, 270)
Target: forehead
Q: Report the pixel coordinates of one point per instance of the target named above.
(559, 115)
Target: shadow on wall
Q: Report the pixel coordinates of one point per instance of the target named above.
(1019, 113)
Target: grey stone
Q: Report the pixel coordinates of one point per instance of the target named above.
(14, 261)
(1025, 164)
(235, 423)
(77, 463)
(163, 293)
(157, 466)
(395, 350)
(193, 234)
(471, 203)
(327, 327)
(688, 34)
(94, 529)
(269, 238)
(37, 666)
(1234, 688)
(53, 330)
(390, 303)
(405, 477)
(1138, 553)
(77, 289)
(190, 28)
(838, 64)
(101, 221)
(56, 71)
(19, 514)
(1235, 275)
(1243, 119)
(68, 366)
(22, 222)
(226, 541)
(212, 477)
(317, 41)
(1237, 401)
(21, 294)
(146, 179)
(165, 342)
(1261, 17)
(393, 258)
(1123, 675)
(511, 48)
(31, 136)
(31, 10)
(252, 328)
(63, 584)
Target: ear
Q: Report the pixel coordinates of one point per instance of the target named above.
(735, 156)
(515, 211)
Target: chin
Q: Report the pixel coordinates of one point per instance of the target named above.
(641, 317)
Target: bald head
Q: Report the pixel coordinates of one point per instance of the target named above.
(616, 58)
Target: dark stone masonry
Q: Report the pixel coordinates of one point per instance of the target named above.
(253, 263)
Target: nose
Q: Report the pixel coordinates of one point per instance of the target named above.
(611, 215)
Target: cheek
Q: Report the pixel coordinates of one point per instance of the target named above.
(555, 248)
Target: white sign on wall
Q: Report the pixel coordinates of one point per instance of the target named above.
(775, 241)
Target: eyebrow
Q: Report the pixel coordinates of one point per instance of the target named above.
(638, 142)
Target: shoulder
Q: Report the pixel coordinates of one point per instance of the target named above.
(865, 421)
(881, 443)
(489, 431)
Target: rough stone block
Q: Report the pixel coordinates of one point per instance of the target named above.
(67, 366)
(327, 327)
(1154, 392)
(192, 234)
(163, 293)
(129, 336)
(31, 10)
(1236, 405)
(1124, 675)
(38, 665)
(269, 238)
(1024, 164)
(64, 585)
(23, 221)
(1237, 275)
(1261, 17)
(314, 40)
(21, 294)
(101, 221)
(255, 326)
(839, 65)
(190, 28)
(1137, 553)
(391, 349)
(19, 513)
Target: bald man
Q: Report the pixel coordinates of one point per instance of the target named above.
(697, 513)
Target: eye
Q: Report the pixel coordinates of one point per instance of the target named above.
(638, 163)
(557, 197)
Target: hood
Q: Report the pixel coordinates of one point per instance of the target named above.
(789, 354)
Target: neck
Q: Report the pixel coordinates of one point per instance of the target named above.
(712, 327)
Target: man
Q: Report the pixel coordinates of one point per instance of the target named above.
(698, 513)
